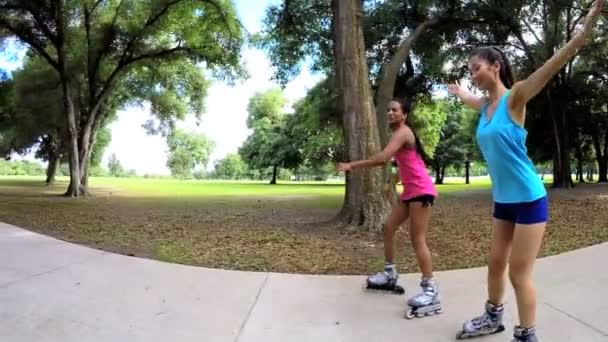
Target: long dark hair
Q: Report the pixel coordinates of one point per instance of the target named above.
(493, 55)
(406, 108)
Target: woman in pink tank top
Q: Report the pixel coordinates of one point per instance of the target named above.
(415, 203)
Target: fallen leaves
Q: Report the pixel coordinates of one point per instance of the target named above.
(285, 234)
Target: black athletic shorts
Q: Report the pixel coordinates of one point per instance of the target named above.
(426, 200)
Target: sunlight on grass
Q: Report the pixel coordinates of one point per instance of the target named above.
(140, 187)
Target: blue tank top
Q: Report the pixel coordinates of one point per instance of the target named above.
(503, 145)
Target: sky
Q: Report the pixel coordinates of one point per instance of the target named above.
(226, 114)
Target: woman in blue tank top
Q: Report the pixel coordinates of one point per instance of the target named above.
(520, 199)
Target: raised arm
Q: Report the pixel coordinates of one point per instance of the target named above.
(401, 137)
(468, 98)
(523, 91)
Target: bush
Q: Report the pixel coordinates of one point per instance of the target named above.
(21, 168)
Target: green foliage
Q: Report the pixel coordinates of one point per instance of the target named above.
(295, 30)
(115, 168)
(427, 120)
(186, 152)
(122, 52)
(315, 128)
(451, 147)
(267, 105)
(231, 167)
(102, 141)
(270, 143)
(21, 168)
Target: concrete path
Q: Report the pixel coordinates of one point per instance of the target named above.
(56, 291)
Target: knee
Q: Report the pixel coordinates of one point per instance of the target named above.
(518, 278)
(497, 266)
(418, 241)
(388, 228)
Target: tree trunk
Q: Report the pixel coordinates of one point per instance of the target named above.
(580, 177)
(603, 163)
(84, 171)
(442, 174)
(51, 169)
(603, 170)
(364, 205)
(601, 156)
(87, 140)
(438, 179)
(274, 175)
(390, 72)
(562, 174)
(467, 171)
(68, 103)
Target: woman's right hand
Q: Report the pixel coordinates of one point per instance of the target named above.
(590, 19)
(455, 88)
(344, 167)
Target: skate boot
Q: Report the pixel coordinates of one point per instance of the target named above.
(489, 323)
(524, 334)
(385, 281)
(427, 302)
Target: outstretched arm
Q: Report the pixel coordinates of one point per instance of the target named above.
(525, 90)
(468, 98)
(402, 136)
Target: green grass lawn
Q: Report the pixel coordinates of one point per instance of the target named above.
(200, 188)
(262, 227)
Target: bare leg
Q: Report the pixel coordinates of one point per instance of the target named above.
(397, 216)
(526, 244)
(500, 248)
(419, 223)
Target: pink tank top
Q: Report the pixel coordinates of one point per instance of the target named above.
(416, 181)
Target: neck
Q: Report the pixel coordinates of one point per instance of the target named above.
(396, 126)
(496, 91)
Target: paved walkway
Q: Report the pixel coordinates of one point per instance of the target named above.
(56, 291)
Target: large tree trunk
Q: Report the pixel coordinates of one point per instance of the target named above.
(562, 173)
(274, 174)
(75, 186)
(580, 177)
(51, 169)
(603, 170)
(364, 205)
(87, 140)
(603, 164)
(68, 104)
(437, 169)
(601, 156)
(590, 172)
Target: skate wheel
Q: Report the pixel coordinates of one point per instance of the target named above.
(410, 314)
(460, 335)
(399, 290)
(420, 315)
(439, 311)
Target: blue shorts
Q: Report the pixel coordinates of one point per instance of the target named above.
(523, 213)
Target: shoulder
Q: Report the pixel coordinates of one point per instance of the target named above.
(403, 135)
(406, 132)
